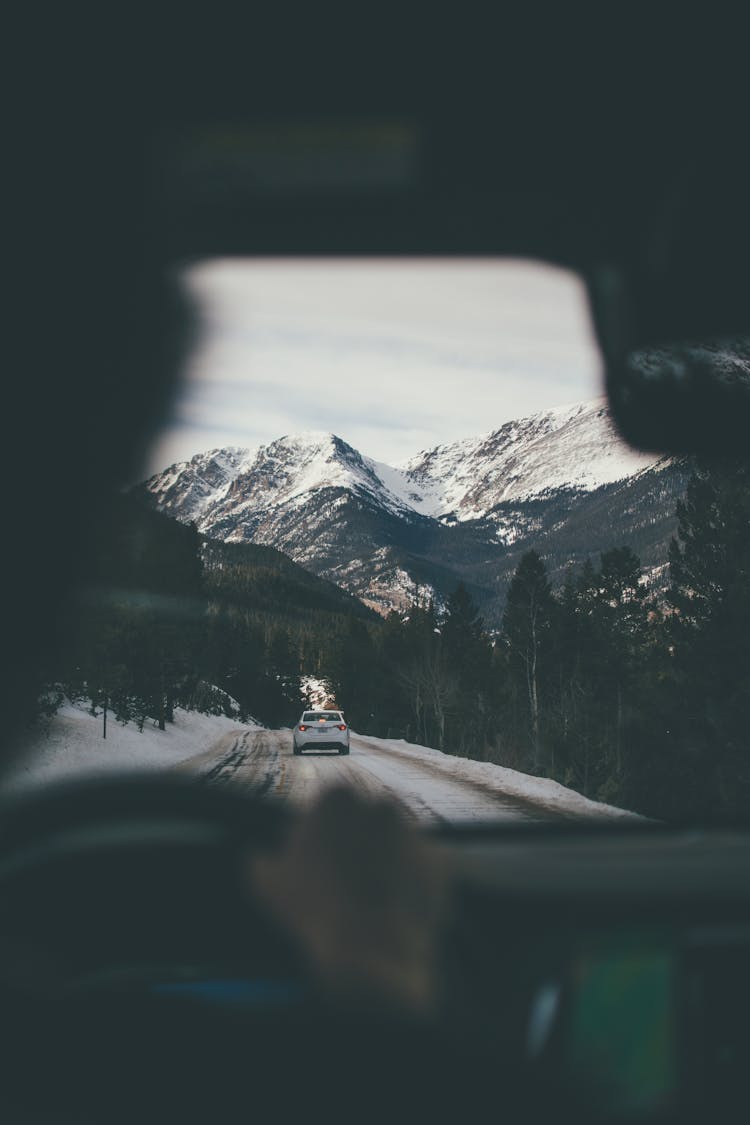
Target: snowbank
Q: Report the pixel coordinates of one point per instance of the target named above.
(505, 782)
(70, 744)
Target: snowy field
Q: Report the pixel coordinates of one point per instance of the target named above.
(70, 745)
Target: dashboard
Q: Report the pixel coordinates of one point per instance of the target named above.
(604, 970)
(621, 957)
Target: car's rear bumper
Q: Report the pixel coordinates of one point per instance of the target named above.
(323, 744)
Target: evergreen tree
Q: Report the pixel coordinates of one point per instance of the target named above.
(425, 676)
(709, 630)
(619, 637)
(571, 738)
(527, 624)
(394, 701)
(469, 656)
(283, 693)
(351, 670)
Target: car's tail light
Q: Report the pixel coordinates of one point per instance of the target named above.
(342, 726)
(302, 726)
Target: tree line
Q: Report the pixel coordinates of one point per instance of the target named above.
(623, 692)
(165, 619)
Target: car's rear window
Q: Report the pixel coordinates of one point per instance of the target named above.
(321, 716)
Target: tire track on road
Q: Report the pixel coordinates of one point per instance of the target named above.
(262, 762)
(227, 765)
(251, 763)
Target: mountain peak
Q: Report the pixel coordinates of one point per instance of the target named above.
(462, 508)
(572, 447)
(308, 439)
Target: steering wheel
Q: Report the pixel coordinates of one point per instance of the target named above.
(128, 933)
(131, 875)
(141, 981)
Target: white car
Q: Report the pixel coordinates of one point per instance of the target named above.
(321, 730)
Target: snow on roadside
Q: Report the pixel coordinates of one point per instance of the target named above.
(503, 781)
(70, 745)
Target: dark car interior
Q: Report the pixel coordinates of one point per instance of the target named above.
(587, 972)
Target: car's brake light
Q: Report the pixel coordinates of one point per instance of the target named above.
(302, 726)
(342, 726)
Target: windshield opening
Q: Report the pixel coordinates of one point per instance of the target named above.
(391, 490)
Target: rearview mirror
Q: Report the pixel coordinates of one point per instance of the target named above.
(671, 308)
(691, 397)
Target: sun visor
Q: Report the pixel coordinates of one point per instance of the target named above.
(220, 181)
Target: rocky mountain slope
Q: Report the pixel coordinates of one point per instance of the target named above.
(560, 481)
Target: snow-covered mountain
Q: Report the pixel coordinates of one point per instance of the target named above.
(243, 484)
(462, 510)
(573, 447)
(311, 496)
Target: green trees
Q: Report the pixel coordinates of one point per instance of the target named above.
(468, 652)
(709, 634)
(426, 677)
(574, 662)
(155, 628)
(281, 701)
(601, 656)
(351, 670)
(527, 626)
(633, 698)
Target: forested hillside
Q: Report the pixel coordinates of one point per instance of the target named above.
(166, 618)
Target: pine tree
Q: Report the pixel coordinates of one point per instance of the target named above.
(469, 658)
(283, 688)
(350, 667)
(570, 734)
(620, 625)
(709, 631)
(527, 624)
(425, 676)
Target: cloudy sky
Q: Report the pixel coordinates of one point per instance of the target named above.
(395, 356)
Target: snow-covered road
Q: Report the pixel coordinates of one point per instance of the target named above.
(432, 787)
(427, 789)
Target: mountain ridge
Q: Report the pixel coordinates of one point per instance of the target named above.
(445, 515)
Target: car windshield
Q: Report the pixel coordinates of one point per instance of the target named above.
(392, 489)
